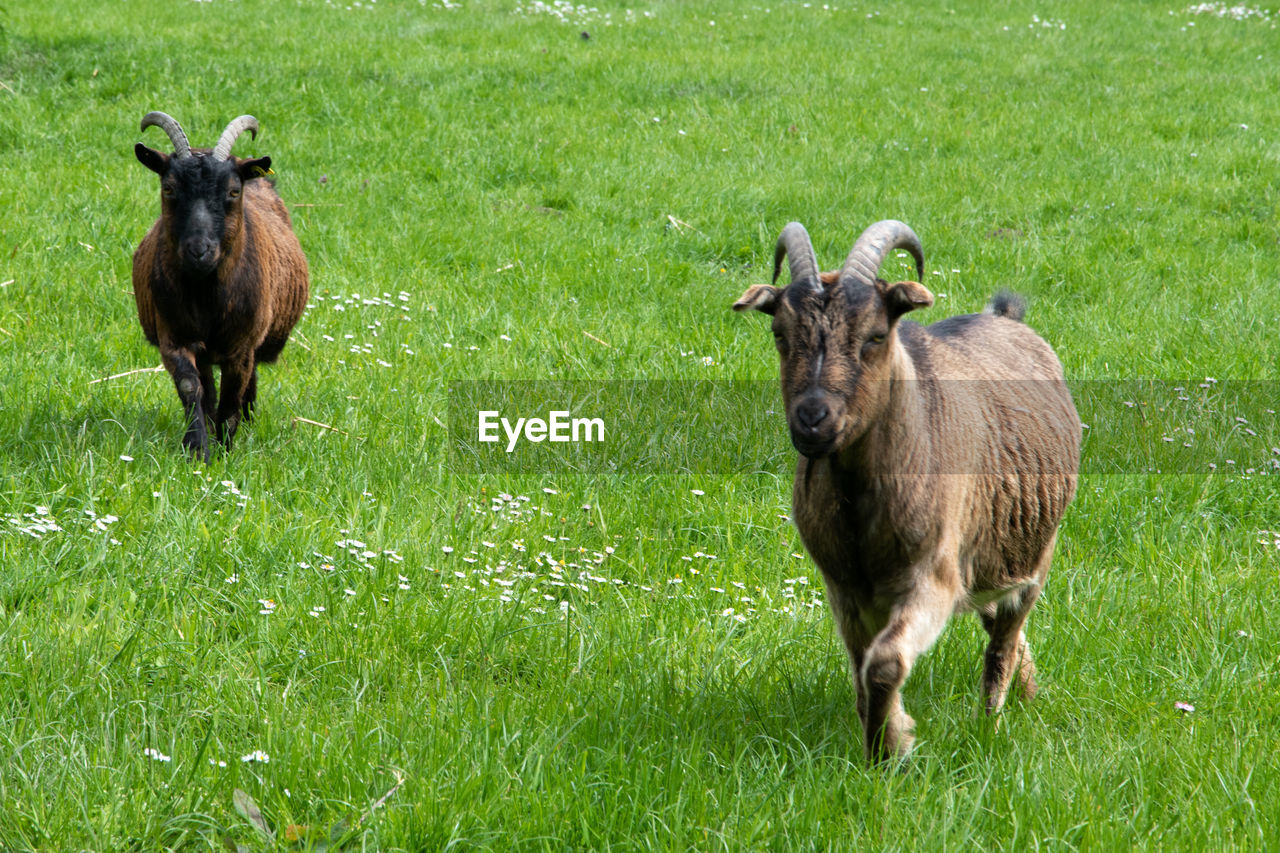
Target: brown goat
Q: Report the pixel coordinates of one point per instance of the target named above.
(936, 463)
(220, 278)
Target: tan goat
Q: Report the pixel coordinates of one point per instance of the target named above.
(936, 463)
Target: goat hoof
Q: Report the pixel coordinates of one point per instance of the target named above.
(198, 450)
(226, 430)
(895, 753)
(896, 741)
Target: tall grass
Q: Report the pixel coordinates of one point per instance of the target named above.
(484, 193)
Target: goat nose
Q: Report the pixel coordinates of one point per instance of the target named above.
(811, 413)
(199, 250)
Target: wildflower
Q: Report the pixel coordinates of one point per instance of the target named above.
(1185, 707)
(155, 754)
(256, 755)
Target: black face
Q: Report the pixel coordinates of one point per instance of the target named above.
(198, 193)
(201, 199)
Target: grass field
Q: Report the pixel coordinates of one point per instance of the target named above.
(591, 659)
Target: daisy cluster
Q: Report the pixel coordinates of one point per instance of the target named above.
(821, 7)
(1268, 461)
(232, 491)
(1046, 23)
(1038, 23)
(37, 524)
(707, 361)
(567, 12)
(1237, 12)
(366, 349)
(550, 571)
(256, 756)
(40, 523)
(352, 557)
(517, 562)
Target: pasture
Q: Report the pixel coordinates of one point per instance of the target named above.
(585, 657)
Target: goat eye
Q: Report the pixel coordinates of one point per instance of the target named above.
(877, 339)
(234, 192)
(167, 192)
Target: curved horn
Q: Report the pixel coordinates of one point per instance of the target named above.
(222, 150)
(870, 250)
(167, 123)
(795, 244)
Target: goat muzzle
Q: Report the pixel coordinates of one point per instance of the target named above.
(200, 254)
(814, 426)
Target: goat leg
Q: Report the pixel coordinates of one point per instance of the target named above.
(914, 624)
(209, 388)
(844, 609)
(236, 375)
(1007, 652)
(181, 364)
(250, 395)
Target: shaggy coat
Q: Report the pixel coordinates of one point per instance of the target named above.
(936, 464)
(219, 280)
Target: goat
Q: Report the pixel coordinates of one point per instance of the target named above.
(935, 465)
(219, 279)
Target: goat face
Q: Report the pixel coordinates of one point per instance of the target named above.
(836, 337)
(201, 200)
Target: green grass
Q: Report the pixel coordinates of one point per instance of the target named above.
(508, 177)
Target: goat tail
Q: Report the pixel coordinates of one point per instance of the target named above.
(1007, 304)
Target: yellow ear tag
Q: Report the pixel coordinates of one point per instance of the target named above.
(259, 172)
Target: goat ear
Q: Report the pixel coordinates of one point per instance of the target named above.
(829, 278)
(152, 159)
(903, 296)
(258, 167)
(758, 297)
